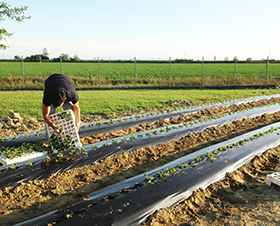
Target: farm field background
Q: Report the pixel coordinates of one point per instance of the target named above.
(85, 75)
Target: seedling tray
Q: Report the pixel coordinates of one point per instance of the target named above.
(66, 121)
(273, 178)
(6, 161)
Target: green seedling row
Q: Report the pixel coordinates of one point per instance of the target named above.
(207, 156)
(24, 149)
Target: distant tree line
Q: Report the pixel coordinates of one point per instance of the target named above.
(43, 58)
(66, 58)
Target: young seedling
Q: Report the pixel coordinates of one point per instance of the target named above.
(213, 159)
(182, 166)
(167, 173)
(149, 179)
(59, 155)
(215, 152)
(47, 159)
(30, 163)
(148, 133)
(198, 159)
(70, 117)
(83, 149)
(111, 121)
(256, 135)
(208, 155)
(242, 142)
(155, 132)
(235, 144)
(114, 141)
(192, 164)
(14, 166)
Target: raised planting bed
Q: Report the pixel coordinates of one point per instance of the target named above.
(132, 201)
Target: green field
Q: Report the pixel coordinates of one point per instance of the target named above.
(147, 74)
(104, 102)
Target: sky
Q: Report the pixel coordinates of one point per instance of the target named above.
(146, 29)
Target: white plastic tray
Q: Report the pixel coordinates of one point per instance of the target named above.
(6, 161)
(68, 126)
(273, 178)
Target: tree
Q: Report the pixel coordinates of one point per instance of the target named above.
(16, 13)
(36, 58)
(249, 59)
(75, 58)
(17, 58)
(65, 57)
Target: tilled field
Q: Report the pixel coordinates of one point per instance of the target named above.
(236, 200)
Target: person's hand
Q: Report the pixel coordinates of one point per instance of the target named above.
(57, 130)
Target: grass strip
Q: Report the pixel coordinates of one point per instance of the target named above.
(104, 102)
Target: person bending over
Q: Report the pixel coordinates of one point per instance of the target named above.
(59, 91)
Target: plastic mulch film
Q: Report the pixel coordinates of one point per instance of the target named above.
(111, 148)
(132, 201)
(125, 122)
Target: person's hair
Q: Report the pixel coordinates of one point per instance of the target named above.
(58, 97)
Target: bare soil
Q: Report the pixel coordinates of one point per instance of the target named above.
(242, 198)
